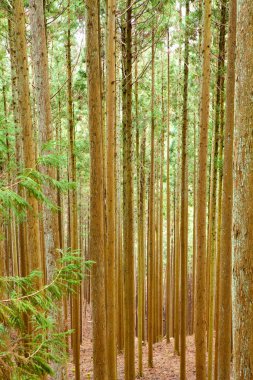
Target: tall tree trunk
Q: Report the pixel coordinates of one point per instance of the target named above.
(160, 229)
(128, 221)
(33, 232)
(194, 230)
(177, 250)
(110, 194)
(213, 187)
(184, 203)
(141, 258)
(151, 250)
(73, 204)
(243, 210)
(120, 306)
(177, 207)
(42, 92)
(168, 261)
(96, 192)
(200, 328)
(224, 347)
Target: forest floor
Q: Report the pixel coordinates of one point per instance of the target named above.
(166, 363)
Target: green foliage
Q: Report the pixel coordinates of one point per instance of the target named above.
(30, 337)
(9, 199)
(33, 181)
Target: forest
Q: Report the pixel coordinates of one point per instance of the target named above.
(126, 189)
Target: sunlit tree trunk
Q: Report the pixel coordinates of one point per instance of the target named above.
(200, 317)
(73, 203)
(184, 204)
(96, 192)
(160, 229)
(243, 210)
(156, 253)
(33, 233)
(140, 174)
(42, 92)
(151, 250)
(110, 193)
(120, 306)
(141, 259)
(128, 217)
(177, 250)
(213, 188)
(168, 259)
(194, 229)
(224, 347)
(177, 244)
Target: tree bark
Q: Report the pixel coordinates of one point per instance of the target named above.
(33, 232)
(200, 328)
(42, 92)
(73, 203)
(96, 192)
(110, 193)
(243, 210)
(225, 304)
(168, 260)
(128, 217)
(213, 187)
(151, 250)
(184, 203)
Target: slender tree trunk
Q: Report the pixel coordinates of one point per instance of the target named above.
(120, 306)
(42, 92)
(151, 250)
(219, 216)
(200, 328)
(177, 251)
(168, 261)
(138, 206)
(128, 217)
(225, 304)
(194, 231)
(141, 260)
(96, 192)
(177, 209)
(120, 275)
(156, 251)
(110, 194)
(33, 232)
(73, 204)
(160, 285)
(225, 243)
(213, 187)
(184, 204)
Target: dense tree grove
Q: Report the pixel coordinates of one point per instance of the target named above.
(126, 180)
